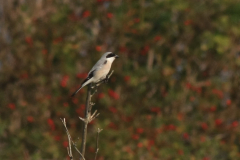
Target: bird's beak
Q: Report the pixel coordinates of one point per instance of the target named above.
(116, 56)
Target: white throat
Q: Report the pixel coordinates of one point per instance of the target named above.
(111, 59)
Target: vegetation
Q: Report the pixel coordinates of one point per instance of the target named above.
(174, 94)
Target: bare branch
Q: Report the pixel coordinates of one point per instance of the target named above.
(94, 113)
(90, 117)
(97, 149)
(69, 149)
(82, 119)
(70, 141)
(92, 104)
(95, 91)
(110, 74)
(86, 119)
(78, 150)
(93, 116)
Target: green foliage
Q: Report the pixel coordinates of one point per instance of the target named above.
(174, 94)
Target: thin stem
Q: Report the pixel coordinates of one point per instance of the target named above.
(69, 148)
(70, 141)
(97, 149)
(85, 123)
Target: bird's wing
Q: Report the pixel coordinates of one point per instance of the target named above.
(98, 65)
(90, 75)
(85, 82)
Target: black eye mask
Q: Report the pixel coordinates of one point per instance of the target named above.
(110, 55)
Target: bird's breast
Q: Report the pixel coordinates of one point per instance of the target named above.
(102, 73)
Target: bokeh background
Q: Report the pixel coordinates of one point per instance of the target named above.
(174, 95)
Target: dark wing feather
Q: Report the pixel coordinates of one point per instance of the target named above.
(90, 75)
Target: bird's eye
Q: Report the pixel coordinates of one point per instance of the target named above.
(110, 55)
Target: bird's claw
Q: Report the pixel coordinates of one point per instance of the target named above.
(106, 79)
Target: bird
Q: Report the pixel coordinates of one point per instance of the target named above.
(99, 71)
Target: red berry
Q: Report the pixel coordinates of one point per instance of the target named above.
(101, 95)
(86, 14)
(113, 94)
(82, 75)
(126, 78)
(65, 104)
(218, 122)
(156, 109)
(109, 15)
(140, 130)
(57, 138)
(136, 20)
(213, 109)
(30, 119)
(234, 123)
(187, 22)
(157, 38)
(98, 48)
(204, 126)
(113, 109)
(135, 137)
(65, 144)
(171, 127)
(29, 40)
(140, 145)
(229, 102)
(11, 106)
(44, 51)
(51, 124)
(186, 136)
(180, 152)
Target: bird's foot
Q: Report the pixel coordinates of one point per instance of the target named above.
(106, 79)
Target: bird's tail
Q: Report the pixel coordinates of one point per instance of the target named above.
(85, 82)
(76, 91)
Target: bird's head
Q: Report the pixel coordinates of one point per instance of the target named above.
(110, 56)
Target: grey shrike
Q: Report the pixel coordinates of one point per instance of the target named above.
(100, 70)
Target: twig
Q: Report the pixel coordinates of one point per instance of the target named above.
(69, 149)
(97, 149)
(90, 118)
(86, 120)
(70, 141)
(110, 74)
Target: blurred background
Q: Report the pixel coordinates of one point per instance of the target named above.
(174, 95)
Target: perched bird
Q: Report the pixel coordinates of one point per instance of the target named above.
(100, 70)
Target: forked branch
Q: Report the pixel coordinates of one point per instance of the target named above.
(70, 142)
(88, 116)
(87, 119)
(97, 149)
